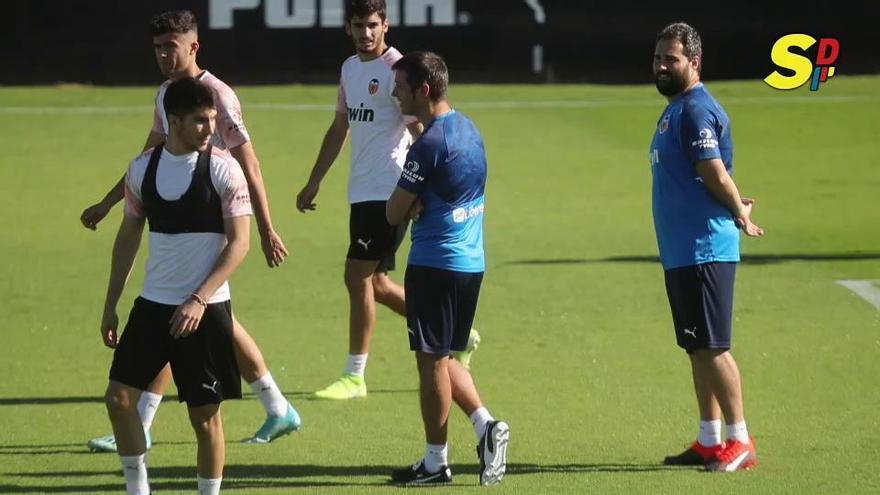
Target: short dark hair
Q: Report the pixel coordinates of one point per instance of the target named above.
(364, 8)
(685, 34)
(185, 96)
(174, 21)
(425, 67)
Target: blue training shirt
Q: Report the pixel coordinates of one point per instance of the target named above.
(446, 168)
(692, 226)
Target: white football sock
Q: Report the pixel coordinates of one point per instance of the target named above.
(357, 364)
(148, 404)
(710, 433)
(739, 432)
(134, 467)
(435, 457)
(209, 486)
(270, 395)
(481, 419)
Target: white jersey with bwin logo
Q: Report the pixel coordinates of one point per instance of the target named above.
(379, 138)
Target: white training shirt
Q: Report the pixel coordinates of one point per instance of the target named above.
(179, 263)
(379, 137)
(230, 131)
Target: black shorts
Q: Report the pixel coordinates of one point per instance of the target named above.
(371, 238)
(440, 308)
(203, 363)
(701, 298)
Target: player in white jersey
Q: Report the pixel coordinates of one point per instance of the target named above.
(231, 132)
(380, 138)
(195, 200)
(175, 40)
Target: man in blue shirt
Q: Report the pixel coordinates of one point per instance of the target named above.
(442, 190)
(698, 213)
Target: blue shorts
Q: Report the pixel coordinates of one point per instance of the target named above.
(440, 308)
(701, 298)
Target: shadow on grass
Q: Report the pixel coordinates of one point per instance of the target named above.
(245, 471)
(751, 259)
(233, 472)
(49, 401)
(238, 476)
(161, 486)
(48, 449)
(522, 469)
(182, 478)
(78, 448)
(52, 401)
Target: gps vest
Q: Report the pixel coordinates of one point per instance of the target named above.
(198, 210)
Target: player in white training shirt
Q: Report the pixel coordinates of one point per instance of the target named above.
(380, 138)
(175, 39)
(195, 200)
(230, 133)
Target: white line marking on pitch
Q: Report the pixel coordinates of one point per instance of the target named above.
(864, 289)
(512, 104)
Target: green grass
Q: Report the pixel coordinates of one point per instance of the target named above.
(578, 352)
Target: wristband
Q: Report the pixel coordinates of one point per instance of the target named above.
(199, 299)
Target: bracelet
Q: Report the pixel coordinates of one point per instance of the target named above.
(199, 299)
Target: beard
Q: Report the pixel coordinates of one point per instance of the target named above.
(670, 85)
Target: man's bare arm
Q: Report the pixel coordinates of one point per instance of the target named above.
(187, 316)
(93, 215)
(334, 140)
(273, 246)
(722, 186)
(125, 248)
(401, 206)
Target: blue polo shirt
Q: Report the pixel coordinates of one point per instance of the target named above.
(692, 226)
(446, 168)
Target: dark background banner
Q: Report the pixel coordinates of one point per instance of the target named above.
(302, 41)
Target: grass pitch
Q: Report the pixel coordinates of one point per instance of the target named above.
(578, 352)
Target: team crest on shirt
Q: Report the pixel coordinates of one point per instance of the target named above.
(664, 124)
(373, 87)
